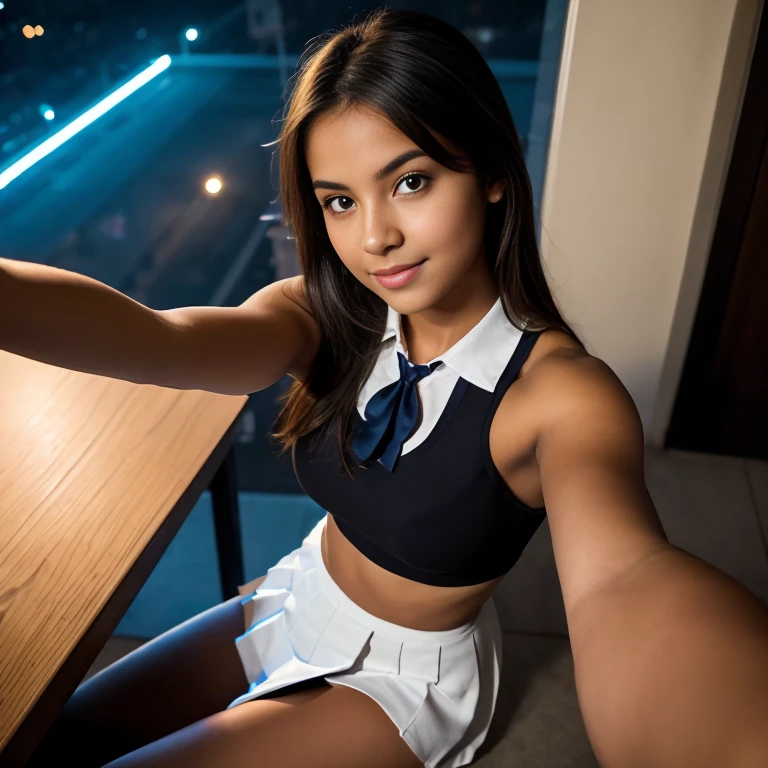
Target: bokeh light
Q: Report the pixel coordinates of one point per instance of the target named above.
(39, 30)
(191, 34)
(213, 185)
(28, 31)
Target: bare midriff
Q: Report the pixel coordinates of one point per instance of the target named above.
(394, 598)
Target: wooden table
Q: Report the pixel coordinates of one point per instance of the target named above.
(96, 478)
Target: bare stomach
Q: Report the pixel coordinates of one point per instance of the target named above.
(396, 599)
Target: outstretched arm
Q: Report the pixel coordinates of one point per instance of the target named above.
(670, 653)
(73, 321)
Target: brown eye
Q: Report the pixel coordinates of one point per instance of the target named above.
(343, 201)
(415, 182)
(331, 200)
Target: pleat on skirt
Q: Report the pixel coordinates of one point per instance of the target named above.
(439, 688)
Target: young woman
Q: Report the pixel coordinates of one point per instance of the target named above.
(435, 409)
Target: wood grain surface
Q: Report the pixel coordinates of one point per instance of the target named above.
(90, 469)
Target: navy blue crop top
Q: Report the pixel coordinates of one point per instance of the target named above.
(444, 516)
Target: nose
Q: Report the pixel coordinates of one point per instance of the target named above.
(380, 232)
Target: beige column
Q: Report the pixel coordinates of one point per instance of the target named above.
(646, 111)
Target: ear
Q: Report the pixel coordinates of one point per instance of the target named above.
(495, 191)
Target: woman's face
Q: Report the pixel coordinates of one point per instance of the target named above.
(415, 211)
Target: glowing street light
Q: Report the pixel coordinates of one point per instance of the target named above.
(187, 36)
(213, 185)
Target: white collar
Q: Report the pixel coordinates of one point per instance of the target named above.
(479, 357)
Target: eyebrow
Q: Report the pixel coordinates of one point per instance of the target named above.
(379, 175)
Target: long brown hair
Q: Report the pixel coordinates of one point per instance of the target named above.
(425, 76)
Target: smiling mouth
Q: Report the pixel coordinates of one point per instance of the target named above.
(397, 268)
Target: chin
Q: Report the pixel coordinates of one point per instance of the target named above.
(416, 302)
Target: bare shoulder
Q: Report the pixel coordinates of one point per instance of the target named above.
(524, 407)
(552, 343)
(294, 289)
(572, 387)
(570, 398)
(562, 369)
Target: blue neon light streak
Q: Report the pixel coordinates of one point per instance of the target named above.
(77, 125)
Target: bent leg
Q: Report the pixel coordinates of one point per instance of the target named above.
(184, 675)
(329, 727)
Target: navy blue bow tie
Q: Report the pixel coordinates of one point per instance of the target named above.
(391, 414)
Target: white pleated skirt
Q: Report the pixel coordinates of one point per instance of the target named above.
(439, 688)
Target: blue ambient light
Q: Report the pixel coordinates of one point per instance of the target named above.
(77, 125)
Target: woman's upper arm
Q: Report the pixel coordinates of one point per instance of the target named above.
(244, 349)
(590, 452)
(311, 334)
(296, 330)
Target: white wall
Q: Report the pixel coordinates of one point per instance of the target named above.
(647, 106)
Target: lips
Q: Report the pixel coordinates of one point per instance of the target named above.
(397, 268)
(402, 278)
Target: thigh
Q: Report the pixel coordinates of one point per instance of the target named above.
(330, 727)
(186, 674)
